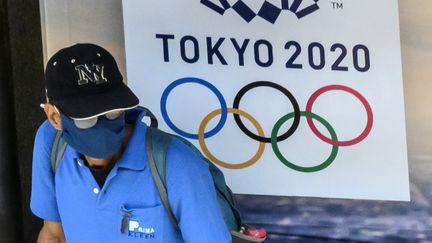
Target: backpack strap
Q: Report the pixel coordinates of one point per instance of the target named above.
(156, 146)
(219, 181)
(153, 120)
(157, 143)
(57, 151)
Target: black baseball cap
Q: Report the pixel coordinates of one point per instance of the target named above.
(84, 81)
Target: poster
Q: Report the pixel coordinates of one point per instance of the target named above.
(288, 98)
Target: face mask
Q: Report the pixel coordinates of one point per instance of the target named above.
(100, 141)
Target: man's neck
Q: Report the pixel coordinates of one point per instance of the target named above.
(108, 162)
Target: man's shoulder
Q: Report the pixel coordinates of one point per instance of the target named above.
(45, 133)
(182, 156)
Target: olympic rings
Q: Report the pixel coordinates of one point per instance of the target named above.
(271, 85)
(207, 153)
(260, 137)
(365, 103)
(218, 94)
(279, 155)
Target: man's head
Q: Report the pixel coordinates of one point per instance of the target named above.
(86, 96)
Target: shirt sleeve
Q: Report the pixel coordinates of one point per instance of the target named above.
(192, 196)
(43, 201)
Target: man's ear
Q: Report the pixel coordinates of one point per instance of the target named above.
(53, 116)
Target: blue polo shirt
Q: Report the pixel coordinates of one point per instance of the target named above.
(92, 214)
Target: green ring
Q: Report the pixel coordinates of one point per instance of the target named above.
(279, 155)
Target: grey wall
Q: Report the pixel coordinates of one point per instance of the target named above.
(66, 22)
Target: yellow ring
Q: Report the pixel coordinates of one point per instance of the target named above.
(207, 153)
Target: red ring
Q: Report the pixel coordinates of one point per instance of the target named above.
(365, 103)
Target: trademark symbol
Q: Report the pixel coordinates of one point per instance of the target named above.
(337, 5)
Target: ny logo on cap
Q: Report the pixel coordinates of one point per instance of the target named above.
(94, 74)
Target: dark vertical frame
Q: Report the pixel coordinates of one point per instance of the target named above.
(19, 100)
(10, 203)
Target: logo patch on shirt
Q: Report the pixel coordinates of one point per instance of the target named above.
(136, 231)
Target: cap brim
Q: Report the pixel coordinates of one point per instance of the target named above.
(122, 98)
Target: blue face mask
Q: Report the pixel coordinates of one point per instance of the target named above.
(102, 140)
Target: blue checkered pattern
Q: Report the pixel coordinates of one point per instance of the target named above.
(268, 11)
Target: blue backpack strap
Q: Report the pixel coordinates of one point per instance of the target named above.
(156, 146)
(57, 151)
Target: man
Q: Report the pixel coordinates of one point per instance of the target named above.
(102, 189)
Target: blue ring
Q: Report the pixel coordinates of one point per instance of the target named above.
(224, 113)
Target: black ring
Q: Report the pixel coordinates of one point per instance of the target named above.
(271, 85)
